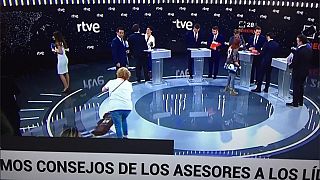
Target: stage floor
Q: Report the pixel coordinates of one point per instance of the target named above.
(200, 118)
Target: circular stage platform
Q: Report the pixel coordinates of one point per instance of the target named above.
(200, 118)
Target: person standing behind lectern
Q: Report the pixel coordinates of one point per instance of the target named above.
(302, 58)
(193, 40)
(269, 51)
(118, 46)
(255, 43)
(215, 43)
(137, 45)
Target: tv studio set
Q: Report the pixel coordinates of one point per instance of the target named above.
(160, 89)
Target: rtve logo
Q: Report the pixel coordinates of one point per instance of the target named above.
(183, 24)
(95, 27)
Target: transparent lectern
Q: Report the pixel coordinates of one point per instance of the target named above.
(284, 77)
(246, 59)
(198, 55)
(157, 56)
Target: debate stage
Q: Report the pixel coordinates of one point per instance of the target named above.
(200, 118)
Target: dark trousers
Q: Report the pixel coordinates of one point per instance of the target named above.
(255, 68)
(298, 89)
(142, 63)
(264, 70)
(190, 64)
(14, 119)
(149, 62)
(214, 60)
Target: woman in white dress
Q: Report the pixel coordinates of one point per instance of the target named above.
(150, 38)
(60, 48)
(151, 43)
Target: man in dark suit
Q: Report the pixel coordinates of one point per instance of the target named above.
(302, 58)
(9, 106)
(118, 46)
(137, 45)
(215, 38)
(269, 51)
(256, 42)
(193, 40)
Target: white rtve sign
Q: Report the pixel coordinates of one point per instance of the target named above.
(73, 165)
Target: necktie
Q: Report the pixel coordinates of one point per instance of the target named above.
(214, 37)
(123, 42)
(196, 36)
(255, 40)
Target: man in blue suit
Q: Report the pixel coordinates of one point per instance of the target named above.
(270, 50)
(215, 38)
(137, 45)
(118, 46)
(300, 65)
(193, 40)
(256, 42)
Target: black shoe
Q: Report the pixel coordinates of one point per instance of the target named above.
(209, 76)
(65, 91)
(301, 104)
(138, 81)
(190, 77)
(256, 90)
(265, 90)
(291, 104)
(214, 77)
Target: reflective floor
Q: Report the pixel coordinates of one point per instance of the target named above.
(204, 119)
(203, 108)
(200, 118)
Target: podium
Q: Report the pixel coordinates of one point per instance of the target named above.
(157, 56)
(284, 77)
(198, 55)
(246, 59)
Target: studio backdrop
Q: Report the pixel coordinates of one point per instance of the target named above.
(89, 26)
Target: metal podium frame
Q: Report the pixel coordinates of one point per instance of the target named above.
(284, 77)
(198, 55)
(246, 59)
(157, 56)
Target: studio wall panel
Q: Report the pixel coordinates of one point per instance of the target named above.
(26, 31)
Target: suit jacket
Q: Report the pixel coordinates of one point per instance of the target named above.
(191, 40)
(301, 61)
(219, 39)
(119, 54)
(270, 50)
(258, 46)
(137, 45)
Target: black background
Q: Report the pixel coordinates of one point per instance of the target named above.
(26, 31)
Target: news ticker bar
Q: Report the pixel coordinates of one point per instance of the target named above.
(76, 165)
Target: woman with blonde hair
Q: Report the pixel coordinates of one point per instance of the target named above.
(120, 103)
